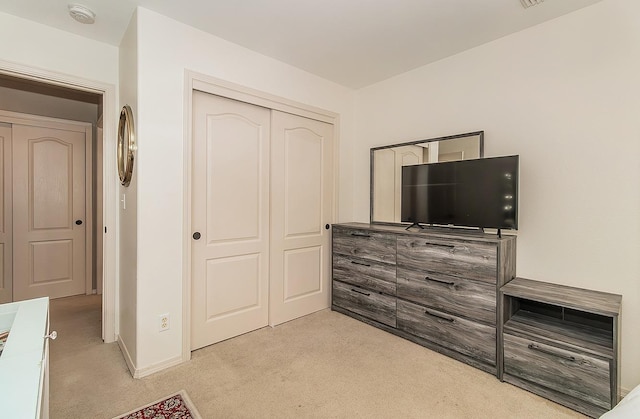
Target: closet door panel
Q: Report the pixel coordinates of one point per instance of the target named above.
(230, 219)
(302, 203)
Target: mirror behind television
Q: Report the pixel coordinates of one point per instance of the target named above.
(387, 163)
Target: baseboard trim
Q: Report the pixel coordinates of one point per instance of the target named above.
(126, 355)
(624, 392)
(171, 362)
(143, 372)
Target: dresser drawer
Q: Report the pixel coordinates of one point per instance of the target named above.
(471, 299)
(365, 244)
(464, 336)
(369, 274)
(367, 303)
(461, 258)
(565, 372)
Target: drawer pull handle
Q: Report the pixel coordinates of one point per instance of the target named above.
(360, 263)
(452, 248)
(53, 335)
(450, 284)
(367, 294)
(461, 248)
(535, 347)
(360, 235)
(448, 246)
(437, 316)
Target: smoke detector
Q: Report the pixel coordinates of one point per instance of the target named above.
(82, 14)
(529, 3)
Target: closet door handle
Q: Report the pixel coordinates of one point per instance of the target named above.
(197, 235)
(78, 222)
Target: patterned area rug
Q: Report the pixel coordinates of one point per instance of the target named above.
(176, 406)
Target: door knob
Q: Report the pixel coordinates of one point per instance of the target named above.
(327, 226)
(78, 222)
(196, 235)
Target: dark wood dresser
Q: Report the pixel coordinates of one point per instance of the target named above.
(435, 287)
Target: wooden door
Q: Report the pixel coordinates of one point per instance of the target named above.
(49, 215)
(6, 244)
(230, 219)
(302, 208)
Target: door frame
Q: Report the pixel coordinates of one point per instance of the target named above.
(109, 186)
(18, 118)
(229, 90)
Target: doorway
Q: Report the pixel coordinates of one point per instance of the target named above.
(38, 92)
(47, 220)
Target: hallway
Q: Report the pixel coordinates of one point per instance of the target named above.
(84, 372)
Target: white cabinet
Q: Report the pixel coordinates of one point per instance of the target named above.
(24, 383)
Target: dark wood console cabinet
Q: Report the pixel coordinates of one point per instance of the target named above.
(562, 343)
(435, 287)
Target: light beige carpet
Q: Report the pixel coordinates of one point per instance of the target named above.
(324, 365)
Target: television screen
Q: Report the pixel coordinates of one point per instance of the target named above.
(472, 193)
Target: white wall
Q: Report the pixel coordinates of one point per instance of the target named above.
(565, 96)
(35, 45)
(128, 214)
(42, 51)
(165, 49)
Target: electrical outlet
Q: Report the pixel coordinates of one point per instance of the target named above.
(165, 322)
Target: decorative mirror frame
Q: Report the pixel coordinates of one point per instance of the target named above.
(479, 134)
(126, 145)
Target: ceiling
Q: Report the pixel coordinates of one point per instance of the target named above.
(351, 42)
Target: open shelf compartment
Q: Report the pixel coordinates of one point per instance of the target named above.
(562, 327)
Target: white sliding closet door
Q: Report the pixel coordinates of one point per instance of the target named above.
(262, 194)
(230, 219)
(301, 203)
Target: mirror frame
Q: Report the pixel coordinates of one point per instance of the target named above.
(126, 145)
(371, 168)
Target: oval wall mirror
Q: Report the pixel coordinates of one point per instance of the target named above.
(126, 145)
(387, 162)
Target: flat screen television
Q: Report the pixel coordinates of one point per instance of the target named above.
(480, 193)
